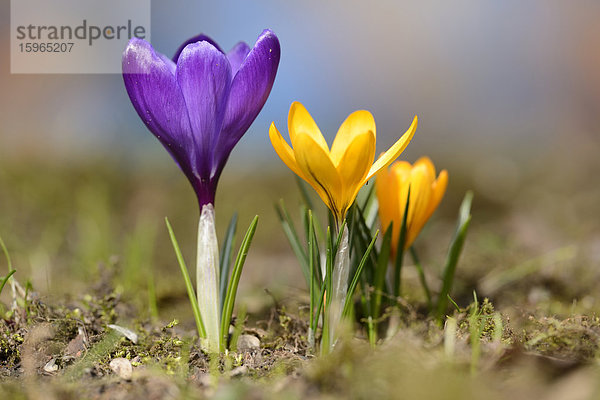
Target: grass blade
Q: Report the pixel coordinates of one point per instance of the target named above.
(310, 205)
(353, 284)
(236, 273)
(6, 278)
(297, 247)
(400, 249)
(454, 251)
(311, 255)
(370, 207)
(6, 254)
(225, 257)
(380, 270)
(421, 273)
(188, 282)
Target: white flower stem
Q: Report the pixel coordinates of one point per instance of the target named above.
(207, 276)
(341, 272)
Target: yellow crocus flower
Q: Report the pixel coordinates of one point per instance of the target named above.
(426, 192)
(337, 174)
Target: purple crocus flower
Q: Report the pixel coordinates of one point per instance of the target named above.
(200, 103)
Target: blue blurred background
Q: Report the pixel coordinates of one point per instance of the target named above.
(499, 78)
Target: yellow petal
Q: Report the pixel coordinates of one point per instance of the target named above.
(401, 174)
(389, 156)
(300, 121)
(401, 170)
(315, 164)
(357, 123)
(420, 195)
(284, 151)
(438, 189)
(354, 165)
(427, 163)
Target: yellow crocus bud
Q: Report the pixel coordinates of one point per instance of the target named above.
(426, 192)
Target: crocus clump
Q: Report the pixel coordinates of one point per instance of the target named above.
(198, 105)
(337, 175)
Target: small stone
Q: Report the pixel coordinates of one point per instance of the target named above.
(51, 366)
(122, 367)
(248, 343)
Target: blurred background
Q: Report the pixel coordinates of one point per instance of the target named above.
(508, 99)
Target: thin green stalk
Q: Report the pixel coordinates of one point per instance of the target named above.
(10, 268)
(357, 275)
(371, 331)
(380, 270)
(6, 254)
(421, 273)
(236, 273)
(454, 251)
(311, 333)
(290, 231)
(6, 278)
(400, 249)
(310, 205)
(319, 307)
(188, 282)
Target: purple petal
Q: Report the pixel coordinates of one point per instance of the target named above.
(204, 76)
(236, 56)
(198, 38)
(249, 91)
(157, 98)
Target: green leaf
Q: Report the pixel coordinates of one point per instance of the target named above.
(5, 279)
(311, 255)
(370, 207)
(319, 307)
(380, 270)
(309, 204)
(11, 271)
(236, 273)
(422, 279)
(357, 275)
(311, 237)
(188, 282)
(225, 257)
(297, 246)
(305, 195)
(363, 235)
(454, 251)
(400, 249)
